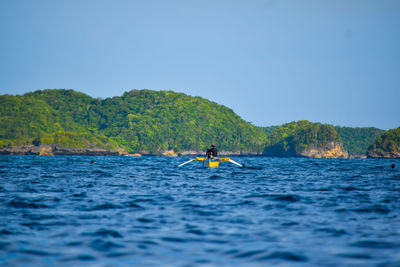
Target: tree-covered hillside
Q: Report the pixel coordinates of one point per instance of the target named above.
(357, 140)
(269, 129)
(140, 120)
(151, 122)
(291, 139)
(145, 120)
(387, 145)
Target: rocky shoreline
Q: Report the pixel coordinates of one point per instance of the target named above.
(333, 151)
(51, 150)
(384, 154)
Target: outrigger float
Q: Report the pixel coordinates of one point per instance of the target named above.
(211, 162)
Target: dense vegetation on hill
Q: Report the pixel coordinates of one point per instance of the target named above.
(357, 140)
(292, 138)
(269, 129)
(49, 117)
(140, 120)
(387, 145)
(148, 121)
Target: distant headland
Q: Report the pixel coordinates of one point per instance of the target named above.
(166, 123)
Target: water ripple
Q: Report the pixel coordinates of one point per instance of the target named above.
(127, 211)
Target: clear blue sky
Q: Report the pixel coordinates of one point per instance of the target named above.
(270, 61)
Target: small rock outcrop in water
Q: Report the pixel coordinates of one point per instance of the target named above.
(50, 150)
(386, 146)
(305, 139)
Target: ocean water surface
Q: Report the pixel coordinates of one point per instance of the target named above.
(128, 211)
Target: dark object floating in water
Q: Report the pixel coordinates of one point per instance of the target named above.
(393, 166)
(92, 161)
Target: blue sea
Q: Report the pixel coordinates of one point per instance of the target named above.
(145, 211)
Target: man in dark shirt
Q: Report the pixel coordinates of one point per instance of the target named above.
(212, 152)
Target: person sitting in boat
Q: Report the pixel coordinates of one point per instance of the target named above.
(212, 152)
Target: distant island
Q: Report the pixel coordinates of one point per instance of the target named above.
(303, 138)
(386, 145)
(146, 122)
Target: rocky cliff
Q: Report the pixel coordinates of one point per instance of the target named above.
(330, 150)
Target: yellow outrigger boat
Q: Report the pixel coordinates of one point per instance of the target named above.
(211, 162)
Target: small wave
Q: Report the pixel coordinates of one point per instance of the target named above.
(102, 173)
(105, 206)
(145, 220)
(373, 208)
(204, 212)
(196, 232)
(284, 255)
(332, 231)
(117, 254)
(173, 239)
(191, 205)
(352, 188)
(35, 252)
(89, 185)
(377, 244)
(29, 190)
(289, 198)
(249, 253)
(6, 232)
(148, 242)
(242, 203)
(38, 217)
(231, 251)
(23, 203)
(215, 177)
(80, 195)
(214, 192)
(217, 241)
(101, 245)
(105, 233)
(4, 245)
(355, 255)
(133, 204)
(252, 167)
(88, 217)
(168, 198)
(276, 197)
(74, 244)
(324, 189)
(117, 185)
(149, 200)
(291, 223)
(203, 261)
(84, 257)
(35, 225)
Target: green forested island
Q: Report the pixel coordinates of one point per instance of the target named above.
(153, 122)
(357, 140)
(141, 121)
(386, 146)
(304, 138)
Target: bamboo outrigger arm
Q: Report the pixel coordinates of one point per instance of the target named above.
(186, 162)
(234, 162)
(210, 164)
